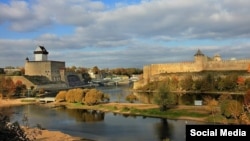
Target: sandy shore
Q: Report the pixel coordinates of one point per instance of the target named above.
(44, 135)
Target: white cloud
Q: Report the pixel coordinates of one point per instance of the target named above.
(127, 34)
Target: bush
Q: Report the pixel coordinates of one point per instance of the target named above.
(70, 96)
(78, 95)
(93, 97)
(61, 96)
(11, 131)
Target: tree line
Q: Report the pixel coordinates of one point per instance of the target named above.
(206, 82)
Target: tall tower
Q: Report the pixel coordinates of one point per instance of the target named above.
(200, 59)
(41, 54)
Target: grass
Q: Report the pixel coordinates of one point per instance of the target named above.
(190, 113)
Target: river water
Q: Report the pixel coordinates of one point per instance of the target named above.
(102, 126)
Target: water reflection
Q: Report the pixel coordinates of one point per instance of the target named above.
(163, 129)
(101, 126)
(82, 115)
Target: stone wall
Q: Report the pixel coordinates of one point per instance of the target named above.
(50, 69)
(201, 63)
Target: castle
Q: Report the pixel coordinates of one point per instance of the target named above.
(53, 70)
(201, 63)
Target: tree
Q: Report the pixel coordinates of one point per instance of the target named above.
(19, 88)
(93, 96)
(95, 70)
(247, 98)
(7, 86)
(247, 101)
(164, 97)
(187, 83)
(232, 109)
(212, 105)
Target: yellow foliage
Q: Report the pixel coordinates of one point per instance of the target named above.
(93, 96)
(61, 95)
(87, 96)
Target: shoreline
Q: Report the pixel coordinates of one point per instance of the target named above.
(43, 135)
(48, 135)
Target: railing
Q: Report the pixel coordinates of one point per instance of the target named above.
(47, 99)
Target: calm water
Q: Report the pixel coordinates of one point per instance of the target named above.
(102, 126)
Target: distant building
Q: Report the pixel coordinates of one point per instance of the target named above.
(41, 66)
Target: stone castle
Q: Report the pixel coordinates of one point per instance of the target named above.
(41, 66)
(53, 71)
(201, 63)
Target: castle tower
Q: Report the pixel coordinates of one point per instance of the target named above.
(41, 54)
(217, 57)
(200, 59)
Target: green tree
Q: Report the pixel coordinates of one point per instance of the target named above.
(164, 97)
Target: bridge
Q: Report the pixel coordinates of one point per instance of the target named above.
(47, 99)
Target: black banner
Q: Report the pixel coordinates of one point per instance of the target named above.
(199, 132)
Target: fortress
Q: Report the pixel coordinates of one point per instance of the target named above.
(201, 63)
(53, 70)
(48, 74)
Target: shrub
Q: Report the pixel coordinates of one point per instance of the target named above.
(61, 96)
(11, 131)
(70, 96)
(78, 95)
(93, 97)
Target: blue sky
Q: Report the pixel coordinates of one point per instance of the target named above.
(124, 33)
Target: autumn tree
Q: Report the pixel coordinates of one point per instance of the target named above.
(93, 96)
(95, 70)
(232, 109)
(7, 86)
(247, 101)
(241, 83)
(211, 103)
(187, 83)
(20, 88)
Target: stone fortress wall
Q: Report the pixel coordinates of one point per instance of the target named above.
(50, 69)
(200, 63)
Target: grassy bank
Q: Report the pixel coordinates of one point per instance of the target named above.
(196, 113)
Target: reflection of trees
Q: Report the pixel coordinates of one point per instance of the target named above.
(86, 115)
(145, 97)
(163, 129)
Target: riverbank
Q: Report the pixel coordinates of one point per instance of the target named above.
(195, 113)
(41, 135)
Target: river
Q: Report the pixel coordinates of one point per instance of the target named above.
(102, 126)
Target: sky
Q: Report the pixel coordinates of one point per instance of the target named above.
(123, 33)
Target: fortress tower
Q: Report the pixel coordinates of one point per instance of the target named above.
(41, 54)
